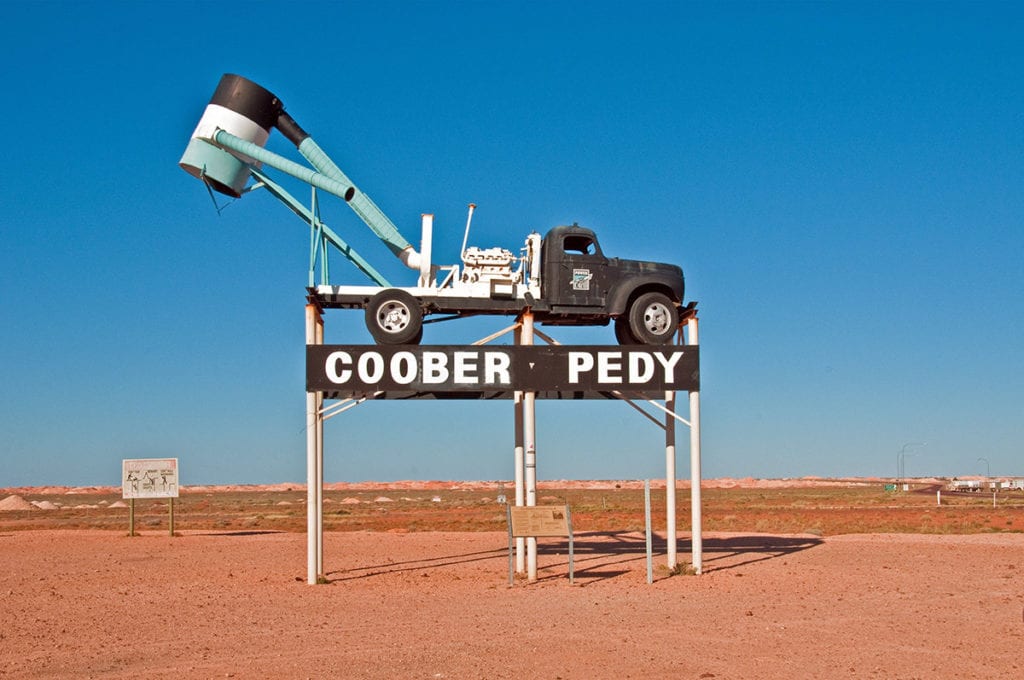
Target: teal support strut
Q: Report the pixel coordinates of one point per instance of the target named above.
(330, 178)
(327, 233)
(360, 203)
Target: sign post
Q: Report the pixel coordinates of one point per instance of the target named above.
(535, 521)
(149, 478)
(522, 372)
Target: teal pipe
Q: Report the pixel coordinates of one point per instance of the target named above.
(258, 153)
(360, 203)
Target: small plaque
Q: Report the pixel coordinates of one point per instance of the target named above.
(540, 520)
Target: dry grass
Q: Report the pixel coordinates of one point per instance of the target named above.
(819, 511)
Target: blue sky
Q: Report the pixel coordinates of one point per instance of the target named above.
(841, 183)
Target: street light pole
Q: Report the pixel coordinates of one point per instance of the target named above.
(901, 460)
(988, 470)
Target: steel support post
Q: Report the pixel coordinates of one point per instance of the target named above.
(670, 480)
(319, 461)
(314, 438)
(530, 453)
(518, 462)
(697, 543)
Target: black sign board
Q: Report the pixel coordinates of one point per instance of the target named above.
(496, 372)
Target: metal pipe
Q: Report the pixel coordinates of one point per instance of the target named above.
(319, 336)
(258, 153)
(312, 417)
(465, 237)
(518, 472)
(530, 442)
(647, 530)
(697, 547)
(426, 247)
(362, 205)
(670, 481)
(519, 460)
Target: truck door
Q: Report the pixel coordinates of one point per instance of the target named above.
(579, 270)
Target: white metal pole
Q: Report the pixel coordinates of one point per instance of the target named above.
(695, 475)
(647, 529)
(519, 462)
(670, 480)
(519, 474)
(312, 542)
(465, 237)
(319, 461)
(530, 453)
(426, 249)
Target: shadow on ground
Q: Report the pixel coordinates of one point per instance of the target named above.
(599, 556)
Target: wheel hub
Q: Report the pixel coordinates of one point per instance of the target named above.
(394, 318)
(656, 318)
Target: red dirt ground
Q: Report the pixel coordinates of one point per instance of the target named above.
(95, 603)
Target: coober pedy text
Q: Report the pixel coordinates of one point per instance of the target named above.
(509, 368)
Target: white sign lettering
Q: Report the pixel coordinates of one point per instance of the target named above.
(639, 368)
(496, 372)
(465, 367)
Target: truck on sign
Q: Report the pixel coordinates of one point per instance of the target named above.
(564, 277)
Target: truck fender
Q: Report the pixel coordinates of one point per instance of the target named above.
(618, 301)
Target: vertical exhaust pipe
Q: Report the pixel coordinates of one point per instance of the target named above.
(426, 246)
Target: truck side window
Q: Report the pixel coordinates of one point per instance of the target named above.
(579, 245)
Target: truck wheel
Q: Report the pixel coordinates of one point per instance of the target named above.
(394, 317)
(653, 319)
(622, 332)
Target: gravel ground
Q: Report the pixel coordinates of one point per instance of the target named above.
(87, 604)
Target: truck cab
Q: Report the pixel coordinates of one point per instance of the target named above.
(574, 268)
(581, 286)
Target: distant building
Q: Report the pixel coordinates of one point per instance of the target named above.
(979, 485)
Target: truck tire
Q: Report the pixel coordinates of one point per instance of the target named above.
(653, 319)
(622, 332)
(394, 317)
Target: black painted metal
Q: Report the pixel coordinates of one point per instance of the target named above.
(496, 372)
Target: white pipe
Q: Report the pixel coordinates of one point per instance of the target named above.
(312, 543)
(656, 405)
(319, 462)
(626, 400)
(647, 530)
(545, 337)
(530, 454)
(465, 238)
(519, 462)
(520, 479)
(695, 475)
(426, 244)
(410, 258)
(670, 481)
(496, 335)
